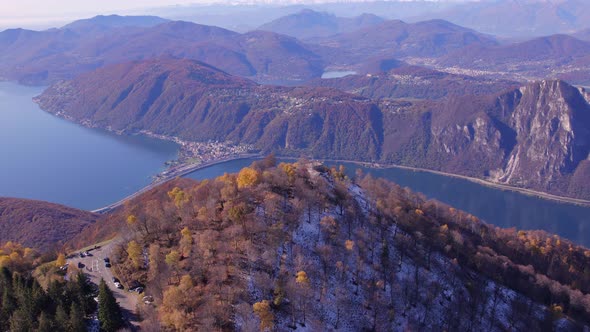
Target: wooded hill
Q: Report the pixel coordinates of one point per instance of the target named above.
(291, 245)
(40, 225)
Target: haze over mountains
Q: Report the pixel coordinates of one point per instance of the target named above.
(507, 18)
(364, 44)
(301, 246)
(43, 57)
(308, 24)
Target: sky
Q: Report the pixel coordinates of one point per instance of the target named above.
(46, 13)
(24, 8)
(43, 14)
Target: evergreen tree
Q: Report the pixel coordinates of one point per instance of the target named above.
(76, 322)
(109, 311)
(7, 306)
(55, 291)
(20, 321)
(84, 294)
(61, 318)
(45, 323)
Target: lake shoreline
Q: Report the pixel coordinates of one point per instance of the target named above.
(183, 150)
(180, 172)
(524, 191)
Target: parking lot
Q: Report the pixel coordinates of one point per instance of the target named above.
(94, 266)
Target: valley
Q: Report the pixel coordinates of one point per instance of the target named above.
(386, 166)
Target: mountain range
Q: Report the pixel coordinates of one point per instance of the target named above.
(506, 18)
(309, 24)
(533, 136)
(398, 39)
(302, 246)
(33, 57)
(365, 44)
(556, 56)
(518, 17)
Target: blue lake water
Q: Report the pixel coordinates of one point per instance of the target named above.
(499, 207)
(47, 158)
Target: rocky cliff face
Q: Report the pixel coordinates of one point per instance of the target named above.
(552, 122)
(535, 136)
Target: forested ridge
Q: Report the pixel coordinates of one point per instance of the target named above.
(418, 118)
(288, 246)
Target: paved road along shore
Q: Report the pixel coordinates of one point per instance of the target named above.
(180, 171)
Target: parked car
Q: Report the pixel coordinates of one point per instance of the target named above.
(114, 279)
(133, 285)
(138, 289)
(118, 285)
(107, 260)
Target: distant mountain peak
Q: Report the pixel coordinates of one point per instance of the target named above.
(309, 23)
(114, 21)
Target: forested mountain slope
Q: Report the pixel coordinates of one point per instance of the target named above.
(44, 57)
(40, 225)
(301, 246)
(534, 136)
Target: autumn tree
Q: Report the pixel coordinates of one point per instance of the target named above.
(61, 260)
(303, 285)
(248, 177)
(178, 304)
(172, 260)
(178, 196)
(134, 251)
(186, 242)
(264, 313)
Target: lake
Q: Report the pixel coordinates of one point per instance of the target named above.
(337, 74)
(499, 207)
(47, 158)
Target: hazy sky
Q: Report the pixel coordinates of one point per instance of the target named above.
(24, 8)
(44, 13)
